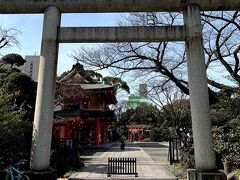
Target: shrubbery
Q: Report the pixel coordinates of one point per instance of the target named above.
(17, 100)
(227, 142)
(187, 154)
(160, 134)
(15, 144)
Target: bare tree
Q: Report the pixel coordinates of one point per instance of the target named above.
(8, 38)
(221, 32)
(175, 110)
(164, 64)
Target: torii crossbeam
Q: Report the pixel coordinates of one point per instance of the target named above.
(91, 6)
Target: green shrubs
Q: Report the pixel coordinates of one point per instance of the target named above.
(160, 134)
(227, 140)
(237, 173)
(187, 156)
(178, 170)
(14, 133)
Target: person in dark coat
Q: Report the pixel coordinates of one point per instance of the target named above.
(123, 140)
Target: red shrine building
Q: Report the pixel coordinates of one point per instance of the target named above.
(84, 113)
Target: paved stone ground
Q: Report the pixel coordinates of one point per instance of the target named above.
(157, 151)
(151, 158)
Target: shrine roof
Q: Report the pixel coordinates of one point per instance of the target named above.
(78, 77)
(95, 86)
(79, 83)
(86, 86)
(77, 74)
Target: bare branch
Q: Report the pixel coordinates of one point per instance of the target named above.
(8, 38)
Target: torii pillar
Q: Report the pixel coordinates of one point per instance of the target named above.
(199, 99)
(43, 117)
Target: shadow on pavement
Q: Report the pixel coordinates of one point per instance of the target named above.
(99, 169)
(152, 145)
(98, 151)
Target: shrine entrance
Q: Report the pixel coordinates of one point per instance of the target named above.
(53, 34)
(83, 114)
(136, 133)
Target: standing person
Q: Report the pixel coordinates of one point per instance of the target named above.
(123, 139)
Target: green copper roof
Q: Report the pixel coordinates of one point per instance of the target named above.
(135, 101)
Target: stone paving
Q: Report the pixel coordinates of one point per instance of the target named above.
(147, 167)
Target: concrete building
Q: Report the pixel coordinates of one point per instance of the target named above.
(143, 90)
(31, 66)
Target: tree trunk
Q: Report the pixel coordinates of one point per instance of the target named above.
(226, 167)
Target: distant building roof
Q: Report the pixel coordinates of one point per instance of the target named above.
(135, 101)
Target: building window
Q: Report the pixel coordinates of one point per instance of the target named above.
(31, 69)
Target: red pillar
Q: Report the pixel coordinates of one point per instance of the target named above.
(97, 131)
(103, 133)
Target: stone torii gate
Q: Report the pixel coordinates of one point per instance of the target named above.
(53, 34)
